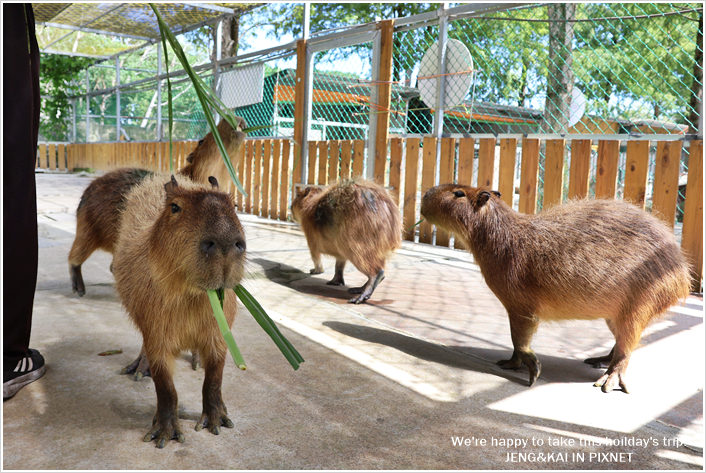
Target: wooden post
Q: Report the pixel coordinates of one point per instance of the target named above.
(428, 176)
(692, 239)
(580, 169)
(446, 176)
(247, 180)
(266, 177)
(410, 188)
(636, 167)
(358, 157)
(466, 151)
(553, 173)
(395, 168)
(300, 111)
(607, 169)
(382, 108)
(274, 182)
(257, 177)
(666, 184)
(42, 156)
(486, 162)
(346, 158)
(323, 162)
(311, 175)
(333, 160)
(240, 172)
(284, 182)
(506, 171)
(529, 176)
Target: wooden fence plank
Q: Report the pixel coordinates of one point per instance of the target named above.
(506, 169)
(607, 169)
(62, 157)
(465, 161)
(636, 167)
(52, 156)
(358, 157)
(666, 183)
(274, 181)
(240, 172)
(333, 160)
(692, 240)
(284, 192)
(486, 162)
(395, 168)
(346, 158)
(42, 156)
(446, 176)
(266, 178)
(553, 173)
(313, 149)
(257, 177)
(529, 176)
(428, 177)
(323, 162)
(247, 178)
(580, 169)
(411, 172)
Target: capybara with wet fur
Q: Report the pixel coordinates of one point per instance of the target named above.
(353, 220)
(587, 259)
(178, 239)
(100, 207)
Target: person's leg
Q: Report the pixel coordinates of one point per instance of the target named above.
(20, 248)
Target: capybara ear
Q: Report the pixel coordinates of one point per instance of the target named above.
(213, 181)
(497, 193)
(242, 124)
(170, 186)
(483, 198)
(190, 158)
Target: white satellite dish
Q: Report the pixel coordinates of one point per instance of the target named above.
(577, 107)
(458, 60)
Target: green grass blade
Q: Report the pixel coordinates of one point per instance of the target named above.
(269, 327)
(217, 306)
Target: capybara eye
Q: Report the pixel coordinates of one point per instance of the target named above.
(175, 208)
(459, 194)
(200, 142)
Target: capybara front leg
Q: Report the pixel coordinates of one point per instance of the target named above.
(522, 328)
(139, 368)
(367, 290)
(165, 425)
(338, 277)
(214, 413)
(195, 360)
(318, 267)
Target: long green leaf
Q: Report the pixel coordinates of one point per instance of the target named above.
(205, 98)
(217, 306)
(169, 102)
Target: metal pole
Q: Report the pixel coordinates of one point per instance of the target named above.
(308, 94)
(373, 115)
(159, 93)
(441, 80)
(306, 21)
(88, 107)
(117, 98)
(73, 120)
(217, 68)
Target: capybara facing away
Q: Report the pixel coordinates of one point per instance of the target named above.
(352, 220)
(100, 207)
(177, 239)
(587, 259)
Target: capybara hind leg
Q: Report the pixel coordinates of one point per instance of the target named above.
(522, 328)
(318, 267)
(81, 249)
(214, 413)
(195, 360)
(367, 290)
(627, 331)
(338, 277)
(77, 280)
(603, 361)
(139, 368)
(165, 425)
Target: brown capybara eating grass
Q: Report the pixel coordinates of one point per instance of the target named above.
(99, 210)
(353, 220)
(587, 259)
(177, 240)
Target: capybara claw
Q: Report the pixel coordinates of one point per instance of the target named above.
(316, 271)
(195, 360)
(336, 282)
(607, 383)
(138, 376)
(214, 423)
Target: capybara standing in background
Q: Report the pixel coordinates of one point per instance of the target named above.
(98, 213)
(587, 259)
(353, 220)
(178, 239)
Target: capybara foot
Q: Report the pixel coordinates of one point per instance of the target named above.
(214, 420)
(608, 381)
(316, 270)
(195, 360)
(163, 431)
(600, 361)
(77, 280)
(367, 290)
(336, 281)
(139, 368)
(528, 358)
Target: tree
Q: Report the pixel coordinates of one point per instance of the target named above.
(560, 73)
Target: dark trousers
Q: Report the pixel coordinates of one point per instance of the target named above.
(20, 57)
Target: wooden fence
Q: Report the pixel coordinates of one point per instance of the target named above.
(268, 170)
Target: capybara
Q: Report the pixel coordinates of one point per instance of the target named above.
(98, 212)
(177, 239)
(352, 220)
(587, 259)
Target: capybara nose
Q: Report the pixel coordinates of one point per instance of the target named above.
(208, 247)
(240, 246)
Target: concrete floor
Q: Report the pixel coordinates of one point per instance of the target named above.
(392, 384)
